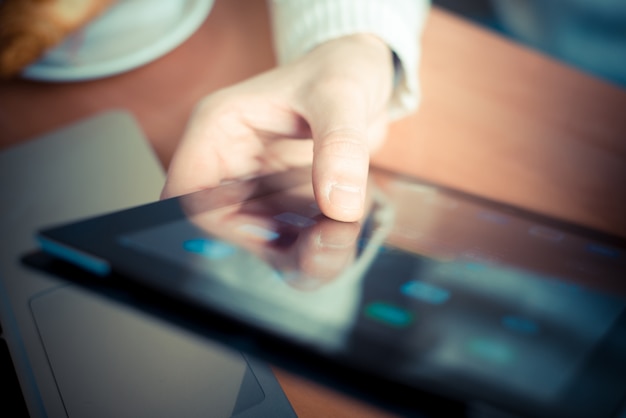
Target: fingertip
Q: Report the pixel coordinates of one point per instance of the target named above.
(340, 185)
(344, 202)
(340, 170)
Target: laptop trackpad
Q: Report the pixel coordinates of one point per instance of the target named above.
(109, 360)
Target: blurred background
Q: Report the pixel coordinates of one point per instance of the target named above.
(587, 34)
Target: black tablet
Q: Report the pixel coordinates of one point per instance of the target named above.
(436, 301)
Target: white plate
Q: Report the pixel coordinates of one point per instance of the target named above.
(130, 34)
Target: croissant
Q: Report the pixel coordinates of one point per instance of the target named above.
(28, 28)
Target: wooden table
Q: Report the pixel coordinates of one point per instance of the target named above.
(496, 119)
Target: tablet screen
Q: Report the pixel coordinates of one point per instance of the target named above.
(432, 289)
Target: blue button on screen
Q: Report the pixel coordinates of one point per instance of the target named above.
(425, 292)
(389, 314)
(213, 249)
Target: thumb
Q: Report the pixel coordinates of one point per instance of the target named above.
(340, 156)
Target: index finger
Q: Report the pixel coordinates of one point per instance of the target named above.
(340, 153)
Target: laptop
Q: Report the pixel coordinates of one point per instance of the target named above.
(77, 354)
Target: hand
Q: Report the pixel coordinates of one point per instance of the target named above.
(337, 94)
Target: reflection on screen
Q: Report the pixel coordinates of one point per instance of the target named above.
(294, 269)
(430, 284)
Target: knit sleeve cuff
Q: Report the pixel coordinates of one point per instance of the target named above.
(301, 25)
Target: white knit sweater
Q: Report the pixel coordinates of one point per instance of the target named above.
(300, 25)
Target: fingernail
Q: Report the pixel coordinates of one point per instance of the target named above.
(344, 196)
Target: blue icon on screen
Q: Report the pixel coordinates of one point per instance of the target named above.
(425, 292)
(389, 314)
(209, 248)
